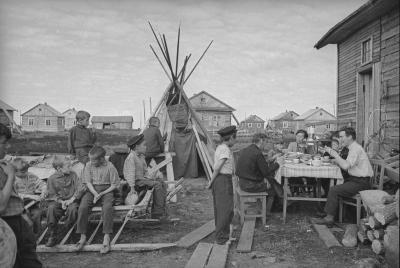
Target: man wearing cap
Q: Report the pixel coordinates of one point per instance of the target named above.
(252, 169)
(135, 173)
(221, 183)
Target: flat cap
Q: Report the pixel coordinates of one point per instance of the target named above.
(135, 140)
(227, 131)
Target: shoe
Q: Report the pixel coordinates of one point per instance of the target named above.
(51, 242)
(80, 245)
(322, 221)
(105, 249)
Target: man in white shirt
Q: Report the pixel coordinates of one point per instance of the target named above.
(358, 167)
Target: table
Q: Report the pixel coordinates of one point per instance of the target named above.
(289, 170)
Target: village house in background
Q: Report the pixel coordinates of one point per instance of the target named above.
(284, 122)
(252, 124)
(213, 113)
(316, 121)
(368, 73)
(42, 117)
(69, 118)
(112, 122)
(5, 118)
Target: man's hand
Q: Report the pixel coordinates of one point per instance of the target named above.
(280, 160)
(97, 197)
(43, 195)
(69, 201)
(8, 169)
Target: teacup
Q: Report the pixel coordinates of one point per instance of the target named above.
(296, 161)
(316, 162)
(326, 158)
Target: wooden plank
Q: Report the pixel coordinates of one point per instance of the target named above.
(246, 237)
(326, 236)
(203, 161)
(208, 155)
(42, 236)
(94, 232)
(218, 256)
(200, 256)
(67, 235)
(174, 192)
(134, 247)
(202, 151)
(196, 235)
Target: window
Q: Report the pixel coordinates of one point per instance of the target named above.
(48, 122)
(285, 124)
(320, 114)
(214, 118)
(249, 125)
(202, 101)
(258, 125)
(30, 121)
(328, 126)
(366, 51)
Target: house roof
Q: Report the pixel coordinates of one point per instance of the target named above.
(228, 108)
(112, 119)
(48, 107)
(310, 113)
(283, 115)
(253, 119)
(70, 109)
(367, 13)
(6, 107)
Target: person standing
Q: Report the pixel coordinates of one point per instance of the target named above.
(154, 141)
(12, 207)
(221, 184)
(359, 171)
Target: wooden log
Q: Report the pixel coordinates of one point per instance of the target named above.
(379, 233)
(374, 223)
(136, 247)
(200, 256)
(387, 214)
(364, 228)
(197, 235)
(218, 256)
(370, 235)
(378, 247)
(326, 236)
(350, 236)
(391, 244)
(362, 237)
(246, 237)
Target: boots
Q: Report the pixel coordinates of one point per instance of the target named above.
(51, 241)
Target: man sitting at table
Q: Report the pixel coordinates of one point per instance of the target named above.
(252, 169)
(358, 167)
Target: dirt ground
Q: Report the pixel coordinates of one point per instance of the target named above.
(294, 244)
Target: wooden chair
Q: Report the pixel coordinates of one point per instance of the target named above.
(376, 182)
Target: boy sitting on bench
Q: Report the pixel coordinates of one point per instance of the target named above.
(101, 179)
(27, 185)
(64, 191)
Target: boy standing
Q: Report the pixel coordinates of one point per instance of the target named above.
(154, 141)
(101, 179)
(11, 208)
(81, 138)
(64, 191)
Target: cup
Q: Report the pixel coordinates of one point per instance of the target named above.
(316, 163)
(296, 161)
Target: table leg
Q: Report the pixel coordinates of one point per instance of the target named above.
(318, 187)
(285, 196)
(332, 183)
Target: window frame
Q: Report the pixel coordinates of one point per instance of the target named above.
(285, 124)
(48, 120)
(31, 120)
(367, 59)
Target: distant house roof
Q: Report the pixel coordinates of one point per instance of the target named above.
(284, 115)
(226, 108)
(112, 119)
(6, 107)
(310, 113)
(253, 119)
(70, 109)
(48, 107)
(367, 13)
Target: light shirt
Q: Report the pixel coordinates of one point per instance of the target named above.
(105, 174)
(15, 205)
(358, 161)
(135, 168)
(223, 152)
(29, 183)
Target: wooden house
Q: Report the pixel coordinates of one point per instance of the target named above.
(112, 122)
(368, 73)
(313, 121)
(213, 113)
(5, 118)
(252, 124)
(42, 117)
(69, 118)
(284, 122)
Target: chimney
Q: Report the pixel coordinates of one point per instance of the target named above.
(45, 103)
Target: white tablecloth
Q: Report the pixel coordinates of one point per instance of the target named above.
(303, 170)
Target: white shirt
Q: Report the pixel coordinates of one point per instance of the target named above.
(358, 161)
(223, 152)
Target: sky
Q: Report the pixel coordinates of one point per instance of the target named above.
(95, 55)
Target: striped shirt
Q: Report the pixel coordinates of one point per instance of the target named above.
(105, 174)
(29, 183)
(135, 168)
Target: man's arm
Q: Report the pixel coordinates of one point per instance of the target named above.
(129, 171)
(160, 140)
(71, 138)
(114, 179)
(5, 193)
(343, 163)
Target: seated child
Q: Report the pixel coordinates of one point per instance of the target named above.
(64, 191)
(135, 173)
(101, 179)
(27, 185)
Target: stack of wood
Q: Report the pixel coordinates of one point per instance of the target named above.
(380, 228)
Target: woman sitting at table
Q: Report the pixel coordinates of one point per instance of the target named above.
(300, 145)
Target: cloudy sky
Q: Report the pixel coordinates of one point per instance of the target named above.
(95, 55)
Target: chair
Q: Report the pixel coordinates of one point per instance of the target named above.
(376, 182)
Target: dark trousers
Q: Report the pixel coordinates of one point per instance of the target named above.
(26, 243)
(222, 191)
(82, 154)
(255, 187)
(85, 208)
(349, 188)
(55, 212)
(35, 215)
(159, 195)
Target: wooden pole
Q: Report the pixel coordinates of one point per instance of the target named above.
(177, 50)
(144, 112)
(151, 107)
(194, 67)
(162, 65)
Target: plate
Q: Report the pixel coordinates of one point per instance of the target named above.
(326, 164)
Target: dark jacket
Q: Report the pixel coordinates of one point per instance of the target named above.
(252, 166)
(154, 140)
(79, 137)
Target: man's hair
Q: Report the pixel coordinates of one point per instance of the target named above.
(228, 137)
(25, 164)
(82, 115)
(59, 162)
(153, 120)
(5, 132)
(132, 147)
(304, 133)
(258, 137)
(97, 152)
(349, 131)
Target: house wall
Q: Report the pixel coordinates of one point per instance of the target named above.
(255, 126)
(291, 125)
(214, 120)
(4, 119)
(39, 123)
(70, 119)
(204, 100)
(108, 125)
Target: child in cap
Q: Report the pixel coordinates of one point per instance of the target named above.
(81, 138)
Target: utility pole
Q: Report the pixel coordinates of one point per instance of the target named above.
(144, 111)
(151, 107)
